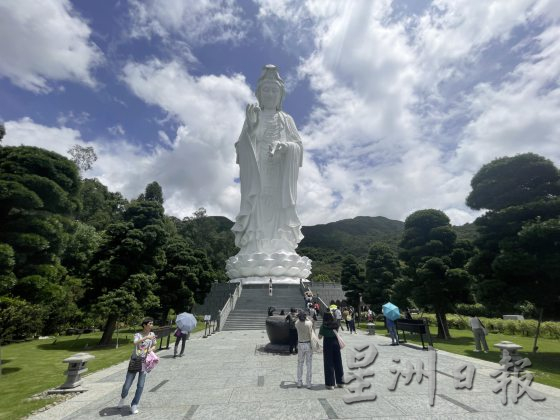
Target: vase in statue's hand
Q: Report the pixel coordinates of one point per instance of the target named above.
(277, 148)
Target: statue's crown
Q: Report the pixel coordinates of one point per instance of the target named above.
(270, 74)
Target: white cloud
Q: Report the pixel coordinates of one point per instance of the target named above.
(200, 169)
(520, 115)
(28, 133)
(117, 130)
(73, 118)
(408, 109)
(194, 22)
(45, 41)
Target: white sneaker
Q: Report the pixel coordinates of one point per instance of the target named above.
(308, 386)
(121, 403)
(299, 384)
(134, 409)
(476, 351)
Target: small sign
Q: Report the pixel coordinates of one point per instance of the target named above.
(207, 317)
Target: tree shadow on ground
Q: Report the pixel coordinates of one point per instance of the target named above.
(9, 370)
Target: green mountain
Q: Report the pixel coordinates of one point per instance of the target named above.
(328, 244)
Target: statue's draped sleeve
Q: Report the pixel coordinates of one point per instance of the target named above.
(291, 163)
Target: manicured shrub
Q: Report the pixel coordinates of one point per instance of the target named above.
(526, 328)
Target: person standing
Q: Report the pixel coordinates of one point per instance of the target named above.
(478, 333)
(338, 318)
(351, 321)
(304, 329)
(182, 337)
(291, 319)
(392, 328)
(346, 317)
(144, 342)
(332, 360)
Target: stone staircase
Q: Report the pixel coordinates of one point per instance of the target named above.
(251, 310)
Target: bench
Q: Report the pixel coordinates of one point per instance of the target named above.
(419, 326)
(161, 333)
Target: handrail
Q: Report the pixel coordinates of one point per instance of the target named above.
(323, 306)
(228, 307)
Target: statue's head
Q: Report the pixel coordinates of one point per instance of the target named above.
(270, 89)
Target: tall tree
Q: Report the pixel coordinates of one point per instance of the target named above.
(84, 157)
(81, 244)
(351, 279)
(382, 270)
(187, 277)
(211, 235)
(522, 195)
(154, 193)
(38, 198)
(428, 247)
(100, 207)
(124, 267)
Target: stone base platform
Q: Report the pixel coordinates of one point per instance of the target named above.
(262, 264)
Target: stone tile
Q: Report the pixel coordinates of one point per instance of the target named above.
(219, 377)
(296, 409)
(378, 408)
(420, 405)
(234, 411)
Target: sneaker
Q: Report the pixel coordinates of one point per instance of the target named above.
(485, 351)
(308, 386)
(299, 384)
(340, 385)
(329, 387)
(476, 351)
(121, 403)
(134, 409)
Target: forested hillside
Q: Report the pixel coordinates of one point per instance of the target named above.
(328, 244)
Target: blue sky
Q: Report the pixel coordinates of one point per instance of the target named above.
(399, 103)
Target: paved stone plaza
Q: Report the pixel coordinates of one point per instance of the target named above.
(228, 376)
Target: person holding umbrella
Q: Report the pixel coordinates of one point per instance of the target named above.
(186, 322)
(182, 337)
(392, 313)
(144, 343)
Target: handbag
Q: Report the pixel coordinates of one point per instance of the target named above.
(151, 361)
(135, 364)
(341, 342)
(315, 344)
(178, 332)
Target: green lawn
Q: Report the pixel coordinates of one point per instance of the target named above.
(34, 366)
(546, 363)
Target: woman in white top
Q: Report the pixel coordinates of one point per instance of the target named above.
(304, 329)
(144, 342)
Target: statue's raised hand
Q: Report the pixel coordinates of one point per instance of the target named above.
(252, 116)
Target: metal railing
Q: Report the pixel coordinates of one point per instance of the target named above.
(228, 307)
(323, 307)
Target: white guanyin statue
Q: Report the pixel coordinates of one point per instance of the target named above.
(269, 153)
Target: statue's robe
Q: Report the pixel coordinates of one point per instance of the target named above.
(267, 220)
